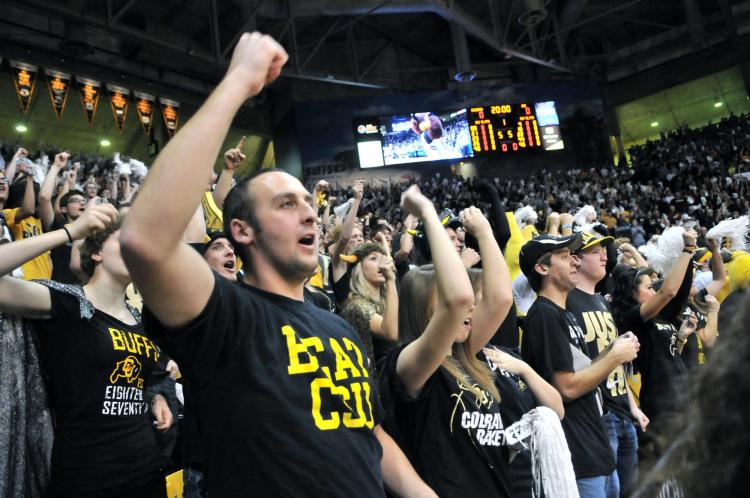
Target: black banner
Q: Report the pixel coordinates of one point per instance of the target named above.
(118, 98)
(58, 84)
(24, 78)
(90, 90)
(169, 112)
(144, 104)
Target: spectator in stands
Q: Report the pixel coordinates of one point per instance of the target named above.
(593, 314)
(653, 317)
(440, 390)
(555, 346)
(97, 361)
(259, 356)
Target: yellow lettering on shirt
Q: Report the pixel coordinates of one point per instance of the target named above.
(324, 390)
(133, 343)
(298, 348)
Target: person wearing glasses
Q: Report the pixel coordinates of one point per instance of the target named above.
(72, 205)
(654, 317)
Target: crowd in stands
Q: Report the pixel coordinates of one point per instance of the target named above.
(553, 336)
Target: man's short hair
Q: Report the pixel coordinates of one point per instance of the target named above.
(67, 195)
(240, 205)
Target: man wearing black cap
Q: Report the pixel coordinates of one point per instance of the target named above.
(593, 313)
(554, 345)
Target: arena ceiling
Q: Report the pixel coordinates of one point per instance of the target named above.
(340, 47)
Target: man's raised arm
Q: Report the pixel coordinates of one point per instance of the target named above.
(174, 280)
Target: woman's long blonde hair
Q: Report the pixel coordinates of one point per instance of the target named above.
(414, 297)
(358, 286)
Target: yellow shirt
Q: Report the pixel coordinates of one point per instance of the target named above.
(212, 213)
(41, 266)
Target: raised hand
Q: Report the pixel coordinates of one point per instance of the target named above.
(474, 221)
(94, 219)
(60, 159)
(688, 327)
(20, 153)
(256, 62)
(359, 190)
(690, 237)
(414, 203)
(387, 268)
(713, 304)
(234, 157)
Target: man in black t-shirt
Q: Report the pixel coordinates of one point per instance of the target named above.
(593, 313)
(554, 345)
(283, 398)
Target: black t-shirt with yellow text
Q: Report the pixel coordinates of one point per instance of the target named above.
(96, 371)
(554, 342)
(282, 396)
(594, 315)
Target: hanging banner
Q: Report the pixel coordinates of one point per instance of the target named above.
(169, 111)
(24, 77)
(58, 84)
(90, 90)
(144, 104)
(118, 98)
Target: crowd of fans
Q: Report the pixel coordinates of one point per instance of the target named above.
(453, 338)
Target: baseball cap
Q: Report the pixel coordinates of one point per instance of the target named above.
(537, 247)
(589, 239)
(212, 236)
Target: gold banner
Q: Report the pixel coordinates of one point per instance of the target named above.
(90, 90)
(169, 112)
(24, 78)
(58, 84)
(118, 98)
(144, 104)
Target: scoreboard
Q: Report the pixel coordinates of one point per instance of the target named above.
(457, 134)
(509, 128)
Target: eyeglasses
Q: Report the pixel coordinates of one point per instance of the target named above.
(4, 181)
(77, 200)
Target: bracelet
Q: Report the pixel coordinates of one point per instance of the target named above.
(689, 251)
(65, 227)
(566, 225)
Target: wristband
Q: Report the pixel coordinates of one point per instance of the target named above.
(65, 227)
(689, 251)
(566, 225)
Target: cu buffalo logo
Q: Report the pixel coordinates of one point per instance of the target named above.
(128, 369)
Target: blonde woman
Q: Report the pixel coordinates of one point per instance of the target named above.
(372, 307)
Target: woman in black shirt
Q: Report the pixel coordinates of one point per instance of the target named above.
(445, 403)
(650, 314)
(96, 359)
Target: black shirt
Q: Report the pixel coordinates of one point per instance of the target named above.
(96, 371)
(282, 396)
(60, 256)
(551, 338)
(454, 439)
(594, 315)
(694, 351)
(663, 373)
(516, 399)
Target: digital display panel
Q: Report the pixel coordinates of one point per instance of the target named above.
(425, 136)
(454, 135)
(510, 128)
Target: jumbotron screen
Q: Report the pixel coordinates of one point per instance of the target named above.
(456, 135)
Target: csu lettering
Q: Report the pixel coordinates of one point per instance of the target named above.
(355, 396)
